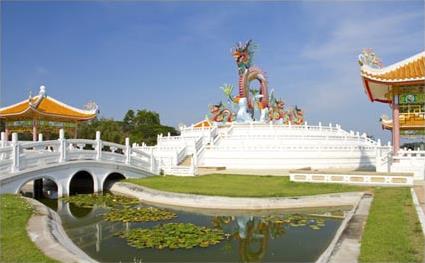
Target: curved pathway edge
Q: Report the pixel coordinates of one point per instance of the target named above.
(235, 203)
(45, 229)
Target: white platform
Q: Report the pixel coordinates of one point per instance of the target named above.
(267, 146)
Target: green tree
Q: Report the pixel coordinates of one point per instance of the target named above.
(144, 126)
(146, 117)
(128, 121)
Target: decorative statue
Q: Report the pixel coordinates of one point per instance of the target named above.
(250, 99)
(243, 115)
(228, 90)
(277, 111)
(368, 57)
(221, 114)
(296, 116)
(91, 106)
(264, 114)
(243, 54)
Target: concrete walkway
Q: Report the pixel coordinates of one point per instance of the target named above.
(420, 193)
(45, 230)
(153, 196)
(348, 247)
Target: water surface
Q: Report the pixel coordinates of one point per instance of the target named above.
(251, 238)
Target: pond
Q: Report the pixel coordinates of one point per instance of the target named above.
(265, 236)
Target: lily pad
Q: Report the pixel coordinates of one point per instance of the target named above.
(139, 214)
(89, 200)
(173, 236)
(297, 220)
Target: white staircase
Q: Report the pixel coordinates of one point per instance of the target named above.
(264, 146)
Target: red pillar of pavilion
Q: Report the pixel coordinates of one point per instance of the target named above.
(396, 124)
(34, 130)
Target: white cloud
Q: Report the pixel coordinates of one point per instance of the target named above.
(337, 92)
(387, 34)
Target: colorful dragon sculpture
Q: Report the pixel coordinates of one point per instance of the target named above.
(219, 113)
(243, 54)
(277, 113)
(271, 109)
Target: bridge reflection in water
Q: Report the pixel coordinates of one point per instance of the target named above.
(249, 238)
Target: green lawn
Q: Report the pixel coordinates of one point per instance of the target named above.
(15, 245)
(393, 232)
(240, 185)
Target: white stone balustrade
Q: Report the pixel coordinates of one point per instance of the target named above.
(353, 178)
(409, 161)
(17, 157)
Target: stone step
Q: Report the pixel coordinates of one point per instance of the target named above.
(187, 161)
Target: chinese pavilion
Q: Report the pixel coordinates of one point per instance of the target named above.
(45, 113)
(402, 86)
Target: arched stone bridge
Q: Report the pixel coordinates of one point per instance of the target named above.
(70, 163)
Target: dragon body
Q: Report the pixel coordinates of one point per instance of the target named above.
(219, 113)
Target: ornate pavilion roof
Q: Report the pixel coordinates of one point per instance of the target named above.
(46, 108)
(378, 82)
(204, 123)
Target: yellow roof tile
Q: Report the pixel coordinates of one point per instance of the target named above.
(46, 108)
(408, 70)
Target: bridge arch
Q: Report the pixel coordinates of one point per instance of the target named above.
(82, 182)
(112, 178)
(57, 185)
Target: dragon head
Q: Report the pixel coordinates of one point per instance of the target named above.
(243, 53)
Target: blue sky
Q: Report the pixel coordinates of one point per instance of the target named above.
(172, 57)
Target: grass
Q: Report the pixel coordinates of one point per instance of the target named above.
(240, 185)
(15, 245)
(393, 232)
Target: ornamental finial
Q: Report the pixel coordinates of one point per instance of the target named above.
(91, 106)
(368, 57)
(42, 91)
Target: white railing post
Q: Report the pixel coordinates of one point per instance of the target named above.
(40, 137)
(3, 144)
(152, 161)
(320, 126)
(127, 151)
(98, 147)
(15, 153)
(3, 139)
(194, 163)
(62, 146)
(378, 156)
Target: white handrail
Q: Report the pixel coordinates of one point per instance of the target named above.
(15, 156)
